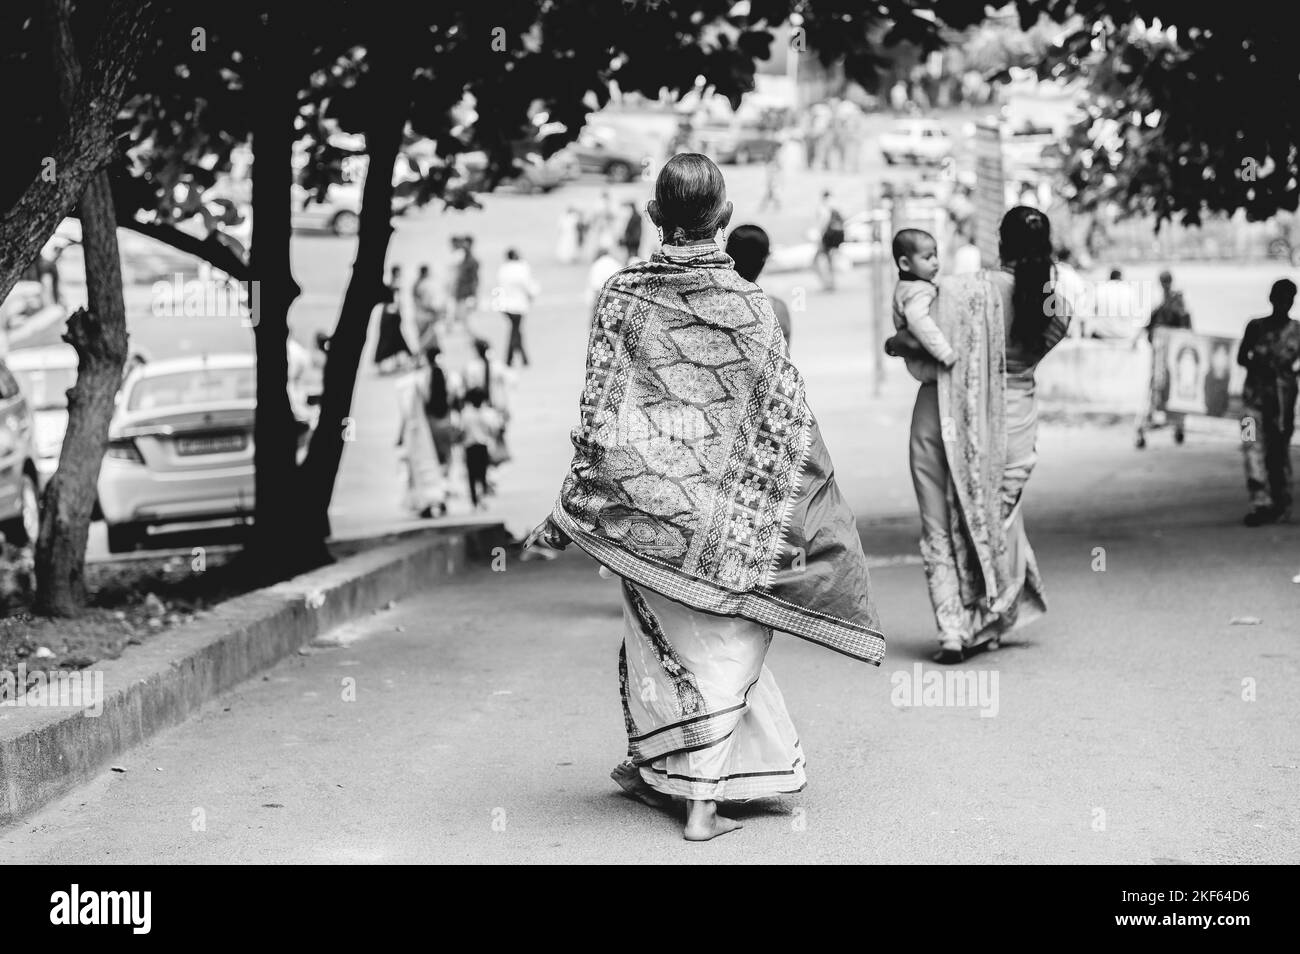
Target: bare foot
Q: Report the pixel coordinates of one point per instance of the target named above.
(633, 785)
(703, 821)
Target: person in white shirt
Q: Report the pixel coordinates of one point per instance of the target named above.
(1072, 288)
(1115, 314)
(966, 258)
(515, 291)
(602, 269)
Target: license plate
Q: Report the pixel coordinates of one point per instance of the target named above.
(216, 444)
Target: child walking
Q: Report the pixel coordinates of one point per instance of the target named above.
(481, 424)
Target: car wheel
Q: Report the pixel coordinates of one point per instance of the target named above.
(619, 172)
(889, 159)
(345, 223)
(26, 527)
(124, 537)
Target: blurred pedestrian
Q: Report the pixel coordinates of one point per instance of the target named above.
(1270, 353)
(570, 236)
(423, 481)
(391, 346)
(303, 381)
(830, 232)
(1115, 311)
(771, 183)
(481, 426)
(1074, 290)
(603, 228)
(490, 376)
(465, 285)
(516, 289)
(632, 232)
(438, 409)
(1170, 313)
(430, 308)
(966, 258)
(749, 247)
(604, 266)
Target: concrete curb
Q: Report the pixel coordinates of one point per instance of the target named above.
(45, 751)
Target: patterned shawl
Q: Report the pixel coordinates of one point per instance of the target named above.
(699, 470)
(972, 415)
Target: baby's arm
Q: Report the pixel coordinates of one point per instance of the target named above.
(922, 326)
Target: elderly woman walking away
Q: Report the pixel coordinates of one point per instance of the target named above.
(700, 478)
(973, 439)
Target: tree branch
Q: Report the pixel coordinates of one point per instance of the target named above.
(84, 143)
(209, 249)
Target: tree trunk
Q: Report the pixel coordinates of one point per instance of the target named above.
(99, 338)
(391, 83)
(275, 552)
(84, 143)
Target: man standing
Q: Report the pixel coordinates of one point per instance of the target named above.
(515, 291)
(1270, 353)
(1170, 313)
(631, 235)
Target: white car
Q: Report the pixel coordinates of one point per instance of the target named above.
(180, 447)
(44, 375)
(916, 141)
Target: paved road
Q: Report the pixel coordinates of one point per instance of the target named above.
(1121, 732)
(486, 718)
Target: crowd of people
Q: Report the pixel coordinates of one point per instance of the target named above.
(453, 416)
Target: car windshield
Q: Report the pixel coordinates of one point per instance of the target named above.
(201, 386)
(45, 388)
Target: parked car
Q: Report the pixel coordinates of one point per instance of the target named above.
(734, 144)
(180, 447)
(917, 141)
(20, 508)
(44, 376)
(338, 212)
(535, 173)
(597, 150)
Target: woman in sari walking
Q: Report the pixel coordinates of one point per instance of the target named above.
(701, 480)
(973, 440)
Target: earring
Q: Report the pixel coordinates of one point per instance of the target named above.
(660, 230)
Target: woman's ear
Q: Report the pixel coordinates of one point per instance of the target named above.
(725, 220)
(652, 210)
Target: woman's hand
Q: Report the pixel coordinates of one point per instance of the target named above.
(545, 542)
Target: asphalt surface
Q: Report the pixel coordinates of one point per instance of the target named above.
(1137, 722)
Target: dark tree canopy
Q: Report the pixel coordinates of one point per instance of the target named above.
(1193, 107)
